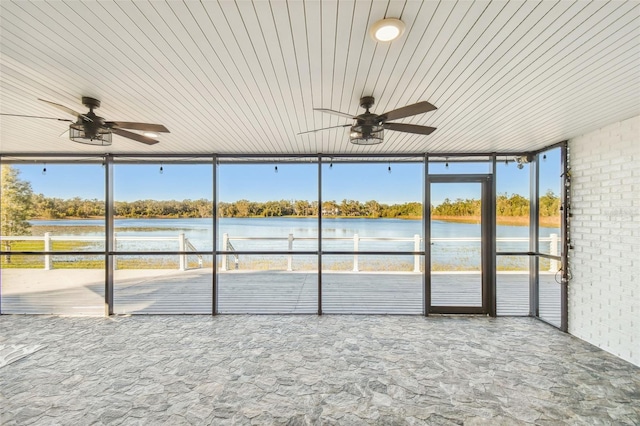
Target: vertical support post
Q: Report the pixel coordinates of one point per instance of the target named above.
(564, 253)
(214, 214)
(47, 247)
(1, 245)
(319, 234)
(110, 238)
(290, 257)
(182, 245)
(534, 226)
(491, 240)
(553, 250)
(356, 245)
(426, 231)
(225, 246)
(416, 258)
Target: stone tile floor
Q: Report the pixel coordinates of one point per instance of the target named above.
(308, 370)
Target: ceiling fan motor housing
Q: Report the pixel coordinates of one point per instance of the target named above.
(91, 103)
(367, 102)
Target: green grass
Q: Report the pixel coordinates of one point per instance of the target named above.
(92, 261)
(37, 261)
(55, 246)
(165, 262)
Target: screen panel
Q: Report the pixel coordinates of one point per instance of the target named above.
(163, 207)
(265, 284)
(512, 205)
(70, 285)
(549, 202)
(372, 207)
(369, 284)
(268, 207)
(52, 208)
(154, 284)
(549, 291)
(512, 285)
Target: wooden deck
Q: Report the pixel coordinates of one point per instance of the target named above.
(81, 292)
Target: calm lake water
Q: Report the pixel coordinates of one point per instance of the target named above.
(338, 235)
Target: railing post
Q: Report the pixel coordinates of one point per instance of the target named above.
(225, 247)
(290, 257)
(47, 247)
(182, 243)
(416, 258)
(356, 244)
(553, 250)
(115, 247)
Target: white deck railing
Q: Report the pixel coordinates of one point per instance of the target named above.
(417, 240)
(185, 245)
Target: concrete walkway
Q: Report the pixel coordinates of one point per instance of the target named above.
(306, 369)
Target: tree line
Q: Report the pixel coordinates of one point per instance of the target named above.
(57, 208)
(510, 206)
(19, 204)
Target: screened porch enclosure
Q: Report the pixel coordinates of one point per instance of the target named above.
(339, 251)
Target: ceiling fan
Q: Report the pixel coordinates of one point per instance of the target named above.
(91, 129)
(368, 128)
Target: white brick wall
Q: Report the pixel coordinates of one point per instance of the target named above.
(604, 294)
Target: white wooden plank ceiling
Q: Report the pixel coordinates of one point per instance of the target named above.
(243, 77)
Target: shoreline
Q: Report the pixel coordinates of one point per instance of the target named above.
(545, 222)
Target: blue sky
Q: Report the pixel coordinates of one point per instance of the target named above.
(261, 183)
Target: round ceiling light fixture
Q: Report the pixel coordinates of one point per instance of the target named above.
(387, 30)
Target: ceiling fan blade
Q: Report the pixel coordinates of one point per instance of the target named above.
(68, 110)
(136, 137)
(145, 127)
(330, 111)
(409, 128)
(35, 116)
(407, 111)
(324, 128)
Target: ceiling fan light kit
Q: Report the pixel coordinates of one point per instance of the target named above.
(77, 134)
(367, 136)
(386, 30)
